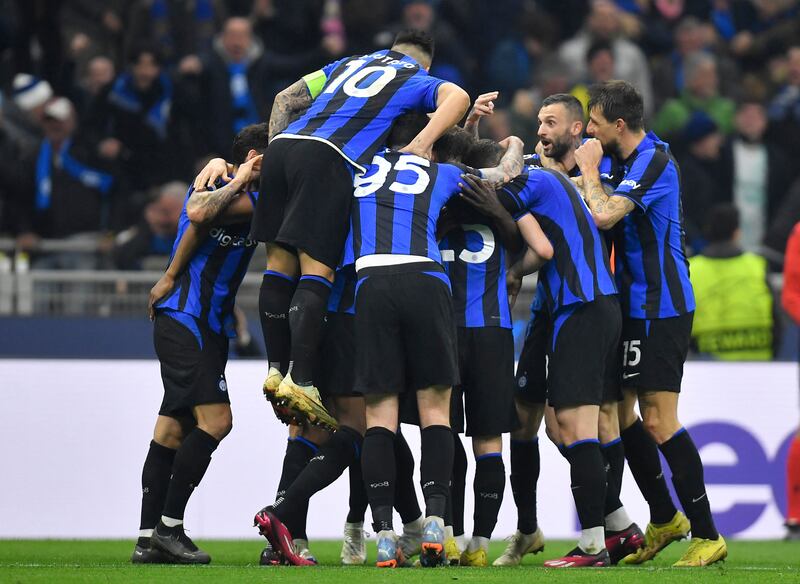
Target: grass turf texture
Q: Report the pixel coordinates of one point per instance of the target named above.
(237, 561)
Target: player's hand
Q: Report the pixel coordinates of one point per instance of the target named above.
(480, 194)
(163, 287)
(513, 286)
(417, 150)
(216, 168)
(589, 154)
(483, 106)
(249, 170)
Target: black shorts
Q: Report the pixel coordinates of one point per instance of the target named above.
(654, 351)
(337, 358)
(531, 377)
(305, 196)
(192, 364)
(486, 368)
(405, 331)
(584, 353)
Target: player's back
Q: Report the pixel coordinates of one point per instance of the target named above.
(397, 203)
(207, 287)
(361, 98)
(579, 270)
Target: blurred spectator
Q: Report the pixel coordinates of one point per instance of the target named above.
(39, 19)
(700, 162)
(603, 23)
(100, 71)
(734, 317)
(14, 183)
(24, 112)
(784, 109)
(691, 36)
(775, 27)
(701, 93)
(288, 26)
(599, 69)
(94, 27)
(754, 175)
(791, 304)
(132, 121)
(155, 233)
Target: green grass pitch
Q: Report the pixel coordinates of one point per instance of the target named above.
(237, 561)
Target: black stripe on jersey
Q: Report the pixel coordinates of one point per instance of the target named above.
(238, 276)
(333, 104)
(422, 206)
(651, 265)
(566, 268)
(207, 279)
(515, 188)
(671, 274)
(491, 305)
(654, 170)
(587, 235)
(622, 275)
(185, 284)
(384, 211)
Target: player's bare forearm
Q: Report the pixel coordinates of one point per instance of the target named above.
(510, 164)
(188, 245)
(529, 263)
(288, 102)
(452, 102)
(535, 237)
(507, 231)
(205, 206)
(607, 210)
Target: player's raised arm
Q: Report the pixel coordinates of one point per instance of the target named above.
(483, 106)
(452, 103)
(510, 164)
(204, 208)
(607, 210)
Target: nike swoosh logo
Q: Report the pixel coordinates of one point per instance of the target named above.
(139, 553)
(629, 375)
(699, 498)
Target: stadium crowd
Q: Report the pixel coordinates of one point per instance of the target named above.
(105, 103)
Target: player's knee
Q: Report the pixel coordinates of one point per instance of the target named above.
(218, 426)
(655, 426)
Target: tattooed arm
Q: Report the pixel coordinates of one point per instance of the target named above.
(510, 165)
(288, 102)
(204, 207)
(607, 210)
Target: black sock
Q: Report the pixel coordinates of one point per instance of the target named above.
(273, 307)
(436, 468)
(458, 485)
(525, 467)
(405, 494)
(379, 470)
(358, 494)
(588, 480)
(299, 451)
(614, 458)
(325, 467)
(155, 481)
(306, 320)
(687, 477)
(490, 482)
(641, 452)
(191, 461)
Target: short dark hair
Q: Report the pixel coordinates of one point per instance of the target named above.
(453, 145)
(618, 100)
(484, 153)
(252, 137)
(722, 222)
(418, 38)
(145, 48)
(570, 103)
(405, 129)
(596, 47)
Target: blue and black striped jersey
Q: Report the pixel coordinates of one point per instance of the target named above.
(361, 98)
(397, 202)
(476, 265)
(207, 287)
(579, 270)
(651, 266)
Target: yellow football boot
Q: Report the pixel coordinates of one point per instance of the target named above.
(703, 552)
(659, 536)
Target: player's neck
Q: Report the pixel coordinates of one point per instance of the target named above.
(415, 53)
(568, 161)
(629, 141)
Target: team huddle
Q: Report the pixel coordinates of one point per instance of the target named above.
(396, 245)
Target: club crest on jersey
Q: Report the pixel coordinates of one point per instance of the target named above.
(223, 385)
(226, 240)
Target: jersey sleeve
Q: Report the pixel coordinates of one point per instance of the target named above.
(643, 183)
(517, 196)
(253, 197)
(426, 89)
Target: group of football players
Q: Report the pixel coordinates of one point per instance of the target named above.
(396, 245)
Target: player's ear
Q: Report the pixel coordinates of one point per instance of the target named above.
(620, 125)
(251, 154)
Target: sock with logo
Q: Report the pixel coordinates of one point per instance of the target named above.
(405, 494)
(793, 482)
(588, 481)
(687, 478)
(155, 481)
(274, 298)
(299, 451)
(458, 485)
(614, 460)
(641, 452)
(191, 461)
(380, 472)
(525, 467)
(306, 320)
(489, 484)
(325, 466)
(436, 468)
(358, 494)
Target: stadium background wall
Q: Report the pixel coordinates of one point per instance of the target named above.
(72, 429)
